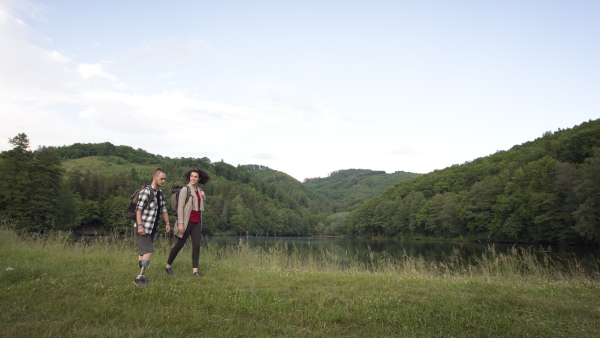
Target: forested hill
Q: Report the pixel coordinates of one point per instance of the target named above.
(87, 187)
(91, 184)
(129, 154)
(352, 186)
(546, 190)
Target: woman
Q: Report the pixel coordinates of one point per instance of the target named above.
(189, 218)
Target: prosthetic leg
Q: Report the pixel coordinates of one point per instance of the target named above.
(141, 279)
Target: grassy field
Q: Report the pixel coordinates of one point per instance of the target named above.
(52, 287)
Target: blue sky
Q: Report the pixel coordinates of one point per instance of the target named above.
(307, 87)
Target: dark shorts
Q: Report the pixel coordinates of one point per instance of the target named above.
(144, 243)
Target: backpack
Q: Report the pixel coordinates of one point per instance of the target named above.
(175, 197)
(134, 199)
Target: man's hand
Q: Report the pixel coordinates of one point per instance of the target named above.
(181, 229)
(167, 228)
(141, 230)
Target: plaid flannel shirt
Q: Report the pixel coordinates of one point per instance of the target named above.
(149, 214)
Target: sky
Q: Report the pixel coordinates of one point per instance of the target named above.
(303, 87)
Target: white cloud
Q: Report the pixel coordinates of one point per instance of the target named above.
(160, 113)
(90, 71)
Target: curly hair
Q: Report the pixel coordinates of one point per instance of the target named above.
(203, 175)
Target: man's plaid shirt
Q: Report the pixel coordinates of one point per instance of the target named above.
(149, 214)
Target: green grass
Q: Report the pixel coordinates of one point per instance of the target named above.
(58, 288)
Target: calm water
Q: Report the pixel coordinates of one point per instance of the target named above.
(435, 251)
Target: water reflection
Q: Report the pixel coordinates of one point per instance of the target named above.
(432, 251)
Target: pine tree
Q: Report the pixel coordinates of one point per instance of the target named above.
(30, 186)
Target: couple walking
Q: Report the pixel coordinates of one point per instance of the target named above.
(152, 205)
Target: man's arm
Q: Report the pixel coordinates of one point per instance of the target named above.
(163, 209)
(140, 227)
(168, 225)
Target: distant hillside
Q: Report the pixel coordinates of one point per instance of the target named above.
(106, 164)
(352, 186)
(92, 183)
(290, 187)
(250, 199)
(546, 190)
(80, 150)
(340, 190)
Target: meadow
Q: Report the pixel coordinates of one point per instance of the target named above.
(52, 286)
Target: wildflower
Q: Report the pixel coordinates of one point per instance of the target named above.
(9, 269)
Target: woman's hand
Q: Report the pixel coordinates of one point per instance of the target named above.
(180, 228)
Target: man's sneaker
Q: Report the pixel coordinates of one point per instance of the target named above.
(140, 281)
(197, 274)
(169, 271)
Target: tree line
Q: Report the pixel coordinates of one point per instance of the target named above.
(39, 195)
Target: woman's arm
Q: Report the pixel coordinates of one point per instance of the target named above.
(181, 205)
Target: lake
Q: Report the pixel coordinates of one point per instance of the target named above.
(432, 251)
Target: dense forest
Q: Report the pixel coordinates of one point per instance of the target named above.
(546, 190)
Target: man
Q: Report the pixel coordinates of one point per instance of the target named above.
(151, 204)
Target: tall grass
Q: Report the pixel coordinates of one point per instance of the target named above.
(517, 263)
(53, 286)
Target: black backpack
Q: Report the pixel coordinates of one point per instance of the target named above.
(175, 197)
(135, 198)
